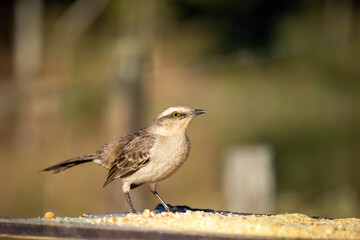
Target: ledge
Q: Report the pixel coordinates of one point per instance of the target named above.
(186, 223)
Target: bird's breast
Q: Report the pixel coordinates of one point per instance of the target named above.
(167, 155)
(170, 152)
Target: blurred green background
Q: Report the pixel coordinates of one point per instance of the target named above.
(76, 74)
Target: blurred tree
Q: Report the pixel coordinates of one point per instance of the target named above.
(6, 26)
(239, 24)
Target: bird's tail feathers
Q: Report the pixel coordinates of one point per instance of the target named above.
(70, 163)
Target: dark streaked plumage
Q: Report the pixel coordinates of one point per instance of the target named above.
(133, 156)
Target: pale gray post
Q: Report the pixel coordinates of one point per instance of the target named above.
(249, 179)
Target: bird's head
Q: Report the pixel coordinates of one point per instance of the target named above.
(174, 120)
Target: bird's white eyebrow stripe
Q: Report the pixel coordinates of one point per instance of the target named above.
(168, 111)
(181, 116)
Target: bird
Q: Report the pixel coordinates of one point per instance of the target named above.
(146, 156)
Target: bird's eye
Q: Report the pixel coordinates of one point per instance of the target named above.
(175, 114)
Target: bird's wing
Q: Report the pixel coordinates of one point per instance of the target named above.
(134, 155)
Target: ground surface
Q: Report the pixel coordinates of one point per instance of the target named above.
(219, 225)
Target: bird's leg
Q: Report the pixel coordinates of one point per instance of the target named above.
(127, 195)
(162, 201)
(126, 189)
(152, 187)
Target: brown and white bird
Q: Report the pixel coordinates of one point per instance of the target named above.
(148, 155)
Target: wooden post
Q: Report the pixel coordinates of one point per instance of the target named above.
(249, 179)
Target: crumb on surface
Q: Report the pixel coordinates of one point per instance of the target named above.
(49, 215)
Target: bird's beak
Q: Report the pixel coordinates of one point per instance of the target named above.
(196, 112)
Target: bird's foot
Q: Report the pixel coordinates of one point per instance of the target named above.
(166, 208)
(173, 209)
